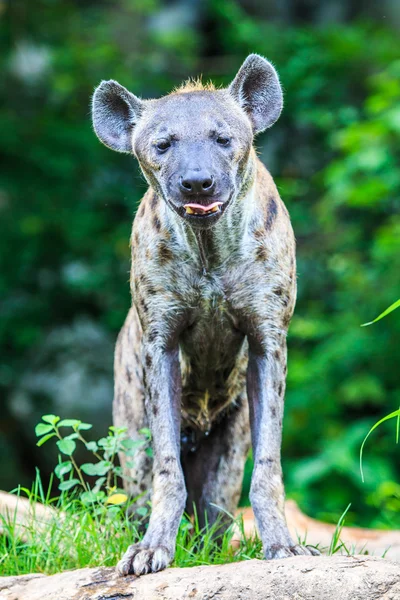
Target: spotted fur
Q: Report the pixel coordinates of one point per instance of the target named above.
(201, 359)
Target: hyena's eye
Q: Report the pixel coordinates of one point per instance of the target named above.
(163, 145)
(222, 140)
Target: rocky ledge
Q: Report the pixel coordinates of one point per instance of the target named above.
(298, 578)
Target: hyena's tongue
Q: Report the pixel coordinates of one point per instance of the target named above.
(199, 209)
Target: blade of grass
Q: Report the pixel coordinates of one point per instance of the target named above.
(393, 415)
(334, 547)
(390, 309)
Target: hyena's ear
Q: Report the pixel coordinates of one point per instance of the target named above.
(257, 89)
(115, 111)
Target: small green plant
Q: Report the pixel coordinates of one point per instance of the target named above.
(104, 491)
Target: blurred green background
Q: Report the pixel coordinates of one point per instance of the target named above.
(66, 206)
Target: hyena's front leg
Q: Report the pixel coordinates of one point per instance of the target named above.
(163, 394)
(265, 390)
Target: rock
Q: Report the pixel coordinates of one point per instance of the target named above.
(298, 578)
(23, 514)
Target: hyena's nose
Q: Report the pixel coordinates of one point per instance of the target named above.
(197, 182)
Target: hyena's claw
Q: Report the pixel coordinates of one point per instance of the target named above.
(124, 565)
(281, 551)
(138, 560)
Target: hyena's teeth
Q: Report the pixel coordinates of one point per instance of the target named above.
(198, 209)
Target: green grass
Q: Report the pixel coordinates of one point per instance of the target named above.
(90, 528)
(91, 536)
(86, 537)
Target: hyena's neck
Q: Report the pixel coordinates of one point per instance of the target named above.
(227, 238)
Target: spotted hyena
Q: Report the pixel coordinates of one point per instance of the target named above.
(201, 358)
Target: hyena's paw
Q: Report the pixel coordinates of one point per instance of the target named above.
(138, 560)
(282, 551)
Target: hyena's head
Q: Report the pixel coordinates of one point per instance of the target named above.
(193, 145)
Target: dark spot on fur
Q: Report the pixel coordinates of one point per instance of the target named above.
(157, 223)
(261, 253)
(278, 291)
(280, 389)
(143, 487)
(148, 360)
(136, 238)
(164, 472)
(272, 213)
(286, 320)
(152, 335)
(259, 234)
(265, 461)
(128, 374)
(169, 459)
(273, 411)
(164, 253)
(277, 355)
(155, 410)
(142, 209)
(143, 304)
(154, 201)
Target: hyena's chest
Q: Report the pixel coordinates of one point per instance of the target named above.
(213, 356)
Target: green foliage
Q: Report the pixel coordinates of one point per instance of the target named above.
(103, 491)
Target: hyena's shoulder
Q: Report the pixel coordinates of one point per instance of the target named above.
(272, 214)
(270, 262)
